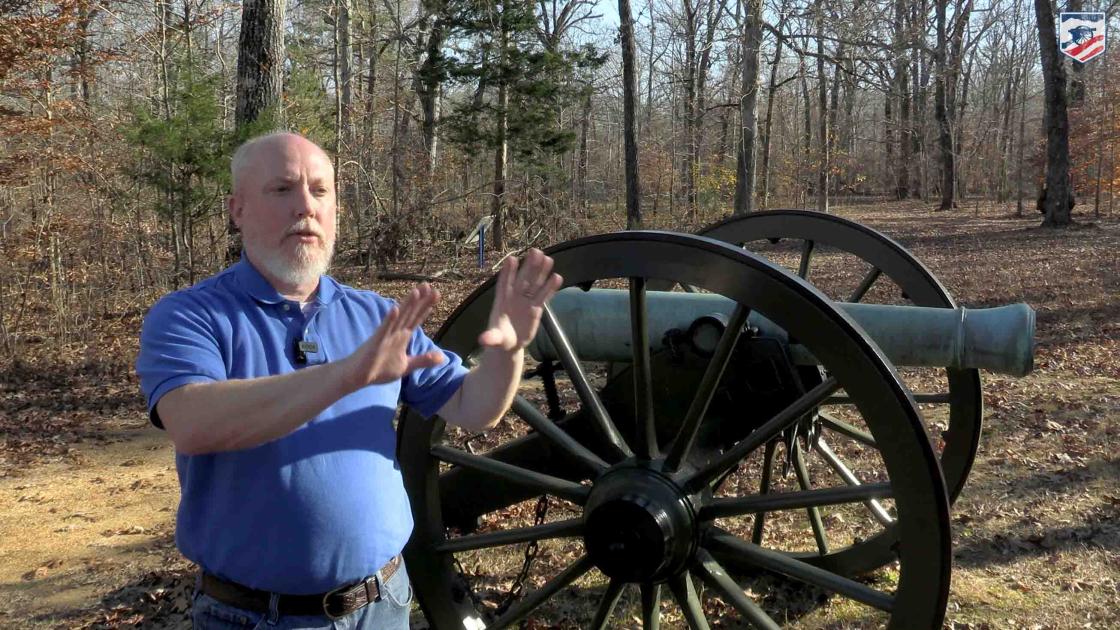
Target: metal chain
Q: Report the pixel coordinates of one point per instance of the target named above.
(530, 554)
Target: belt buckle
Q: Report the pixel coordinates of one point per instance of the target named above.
(370, 599)
(326, 605)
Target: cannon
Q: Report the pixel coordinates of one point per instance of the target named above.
(696, 412)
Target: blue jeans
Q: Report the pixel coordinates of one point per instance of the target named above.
(391, 613)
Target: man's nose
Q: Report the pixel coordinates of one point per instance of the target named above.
(305, 203)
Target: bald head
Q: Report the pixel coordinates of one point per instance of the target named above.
(246, 157)
(283, 202)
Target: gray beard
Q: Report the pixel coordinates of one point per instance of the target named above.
(309, 263)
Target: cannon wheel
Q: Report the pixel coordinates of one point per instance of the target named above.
(646, 511)
(884, 257)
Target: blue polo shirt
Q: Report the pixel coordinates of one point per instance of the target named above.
(324, 505)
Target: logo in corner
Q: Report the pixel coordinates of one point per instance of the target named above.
(1081, 36)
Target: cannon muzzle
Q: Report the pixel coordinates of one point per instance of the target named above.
(597, 323)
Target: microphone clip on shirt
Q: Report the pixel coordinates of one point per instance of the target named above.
(303, 348)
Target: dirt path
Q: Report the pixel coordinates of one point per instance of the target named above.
(75, 530)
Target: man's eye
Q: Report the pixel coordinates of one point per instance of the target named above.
(282, 189)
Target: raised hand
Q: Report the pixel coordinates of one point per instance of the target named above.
(384, 356)
(521, 292)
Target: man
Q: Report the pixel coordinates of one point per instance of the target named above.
(278, 387)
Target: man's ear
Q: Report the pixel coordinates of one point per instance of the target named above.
(235, 207)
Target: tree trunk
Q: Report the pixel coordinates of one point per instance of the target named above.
(1022, 144)
(688, 175)
(823, 164)
(807, 104)
(888, 133)
(581, 158)
(629, 113)
(260, 77)
(919, 74)
(942, 110)
(1058, 191)
(429, 88)
(902, 81)
(649, 65)
(764, 184)
(260, 60)
(501, 151)
(748, 108)
(345, 57)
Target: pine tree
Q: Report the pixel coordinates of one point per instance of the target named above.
(517, 84)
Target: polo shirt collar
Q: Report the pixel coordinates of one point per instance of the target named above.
(261, 290)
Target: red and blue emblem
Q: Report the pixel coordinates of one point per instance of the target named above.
(1081, 36)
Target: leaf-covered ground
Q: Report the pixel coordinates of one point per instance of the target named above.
(88, 490)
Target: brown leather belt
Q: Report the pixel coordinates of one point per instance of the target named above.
(334, 604)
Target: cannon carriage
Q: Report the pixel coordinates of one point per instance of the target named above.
(723, 418)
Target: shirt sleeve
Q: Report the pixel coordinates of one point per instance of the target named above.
(177, 346)
(428, 389)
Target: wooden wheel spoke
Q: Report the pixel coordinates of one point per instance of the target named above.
(646, 439)
(748, 553)
(865, 284)
(760, 504)
(651, 606)
(533, 600)
(806, 258)
(607, 604)
(678, 453)
(782, 420)
(806, 484)
(843, 428)
(845, 473)
(581, 384)
(554, 434)
(685, 594)
(925, 399)
(712, 573)
(559, 529)
(763, 489)
(553, 485)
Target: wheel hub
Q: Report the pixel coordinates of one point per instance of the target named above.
(639, 526)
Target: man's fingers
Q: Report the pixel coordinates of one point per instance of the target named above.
(431, 298)
(389, 323)
(407, 306)
(544, 268)
(426, 360)
(548, 289)
(421, 306)
(527, 278)
(507, 277)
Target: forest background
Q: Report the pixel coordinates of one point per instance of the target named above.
(117, 119)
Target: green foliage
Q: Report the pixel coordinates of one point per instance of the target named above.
(496, 43)
(308, 108)
(186, 147)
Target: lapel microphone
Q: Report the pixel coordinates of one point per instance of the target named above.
(303, 348)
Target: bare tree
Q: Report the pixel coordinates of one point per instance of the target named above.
(1056, 194)
(629, 107)
(768, 125)
(748, 108)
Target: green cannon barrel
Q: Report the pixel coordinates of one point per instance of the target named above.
(597, 323)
